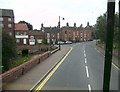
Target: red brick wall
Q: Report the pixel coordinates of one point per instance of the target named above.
(20, 70)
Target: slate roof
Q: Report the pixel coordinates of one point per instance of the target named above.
(21, 26)
(51, 29)
(71, 28)
(7, 12)
(35, 32)
(88, 28)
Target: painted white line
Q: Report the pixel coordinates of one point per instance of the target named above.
(84, 51)
(87, 72)
(85, 60)
(89, 87)
(115, 66)
(112, 63)
(85, 55)
(99, 52)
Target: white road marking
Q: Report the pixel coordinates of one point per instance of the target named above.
(99, 52)
(85, 60)
(89, 87)
(85, 55)
(87, 72)
(104, 56)
(84, 51)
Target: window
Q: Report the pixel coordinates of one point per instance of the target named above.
(9, 25)
(24, 41)
(9, 19)
(17, 40)
(1, 25)
(1, 19)
(81, 33)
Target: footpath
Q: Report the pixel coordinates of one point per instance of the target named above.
(115, 56)
(29, 79)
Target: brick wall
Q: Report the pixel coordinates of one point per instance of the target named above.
(22, 69)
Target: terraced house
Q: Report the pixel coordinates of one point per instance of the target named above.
(68, 33)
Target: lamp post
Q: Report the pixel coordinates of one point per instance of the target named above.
(59, 31)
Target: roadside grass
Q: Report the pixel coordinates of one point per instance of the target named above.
(22, 59)
(115, 45)
(18, 61)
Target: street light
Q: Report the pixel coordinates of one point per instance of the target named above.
(59, 31)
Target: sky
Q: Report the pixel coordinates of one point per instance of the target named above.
(48, 11)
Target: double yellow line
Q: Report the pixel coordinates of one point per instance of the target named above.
(52, 72)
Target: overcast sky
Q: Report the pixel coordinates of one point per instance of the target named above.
(48, 11)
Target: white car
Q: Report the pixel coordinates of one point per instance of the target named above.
(60, 42)
(68, 42)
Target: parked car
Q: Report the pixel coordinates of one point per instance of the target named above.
(60, 42)
(68, 42)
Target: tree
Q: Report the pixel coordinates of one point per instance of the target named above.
(8, 50)
(30, 27)
(100, 28)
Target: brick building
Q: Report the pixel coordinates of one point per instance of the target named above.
(68, 33)
(27, 39)
(21, 34)
(76, 34)
(7, 21)
(52, 34)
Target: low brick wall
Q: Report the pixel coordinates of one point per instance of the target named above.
(22, 69)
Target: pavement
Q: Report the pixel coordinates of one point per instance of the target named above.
(29, 79)
(115, 59)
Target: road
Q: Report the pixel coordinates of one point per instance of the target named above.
(82, 69)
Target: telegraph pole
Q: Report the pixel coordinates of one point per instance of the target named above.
(59, 31)
(109, 44)
(119, 45)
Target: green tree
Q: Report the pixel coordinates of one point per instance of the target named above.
(30, 27)
(100, 27)
(116, 29)
(8, 50)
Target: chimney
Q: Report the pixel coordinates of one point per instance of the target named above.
(67, 24)
(42, 25)
(87, 23)
(74, 24)
(81, 25)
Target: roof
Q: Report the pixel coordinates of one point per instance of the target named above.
(88, 28)
(21, 26)
(51, 29)
(35, 32)
(7, 12)
(71, 28)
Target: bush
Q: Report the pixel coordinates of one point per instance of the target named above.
(8, 50)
